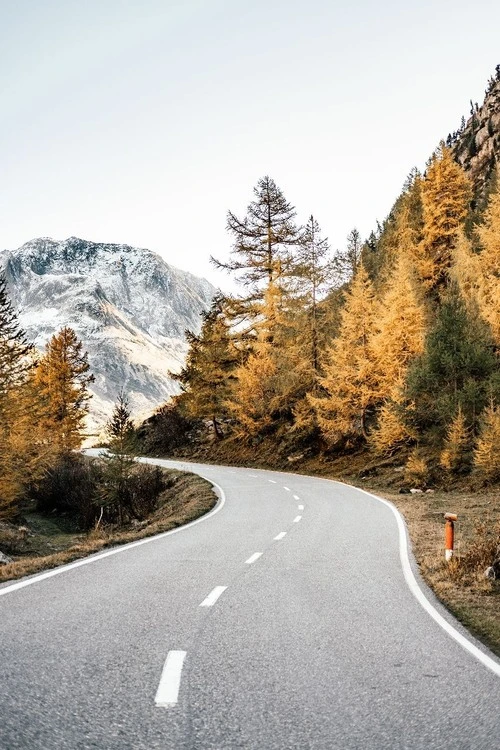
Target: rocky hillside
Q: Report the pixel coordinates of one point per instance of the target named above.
(129, 307)
(476, 145)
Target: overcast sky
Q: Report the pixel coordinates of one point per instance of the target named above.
(144, 122)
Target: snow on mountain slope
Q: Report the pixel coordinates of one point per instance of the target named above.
(128, 306)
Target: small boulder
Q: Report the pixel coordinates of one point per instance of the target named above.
(4, 559)
(415, 491)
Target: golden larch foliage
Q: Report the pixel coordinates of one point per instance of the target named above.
(62, 379)
(416, 469)
(349, 379)
(456, 445)
(487, 451)
(478, 274)
(399, 329)
(391, 430)
(446, 195)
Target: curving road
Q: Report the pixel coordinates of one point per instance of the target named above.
(284, 619)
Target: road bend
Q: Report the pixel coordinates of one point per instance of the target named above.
(284, 619)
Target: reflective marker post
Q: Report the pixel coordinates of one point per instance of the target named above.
(449, 535)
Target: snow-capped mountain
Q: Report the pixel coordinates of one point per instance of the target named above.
(127, 305)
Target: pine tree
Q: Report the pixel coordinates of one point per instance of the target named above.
(487, 451)
(14, 347)
(458, 367)
(209, 370)
(345, 262)
(349, 382)
(456, 450)
(446, 195)
(62, 378)
(119, 462)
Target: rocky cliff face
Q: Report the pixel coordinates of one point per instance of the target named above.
(127, 305)
(476, 145)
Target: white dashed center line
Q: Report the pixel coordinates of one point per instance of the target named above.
(253, 558)
(272, 481)
(300, 507)
(297, 519)
(280, 536)
(287, 489)
(296, 497)
(213, 596)
(168, 689)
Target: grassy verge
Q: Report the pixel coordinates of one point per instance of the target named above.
(463, 588)
(49, 544)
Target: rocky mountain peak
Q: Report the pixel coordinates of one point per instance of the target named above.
(476, 145)
(129, 307)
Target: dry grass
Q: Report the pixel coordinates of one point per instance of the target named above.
(187, 498)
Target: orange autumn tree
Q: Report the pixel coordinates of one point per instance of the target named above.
(446, 193)
(62, 378)
(398, 338)
(349, 382)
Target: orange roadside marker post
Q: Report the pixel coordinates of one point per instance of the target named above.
(449, 535)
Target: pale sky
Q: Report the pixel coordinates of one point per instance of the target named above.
(144, 122)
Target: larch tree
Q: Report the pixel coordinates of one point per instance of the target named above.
(349, 383)
(263, 244)
(399, 328)
(20, 460)
(313, 273)
(62, 378)
(446, 194)
(487, 450)
(398, 338)
(455, 456)
(272, 379)
(209, 370)
(489, 258)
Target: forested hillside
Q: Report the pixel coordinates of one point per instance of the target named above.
(390, 346)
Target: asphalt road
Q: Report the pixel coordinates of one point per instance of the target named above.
(318, 642)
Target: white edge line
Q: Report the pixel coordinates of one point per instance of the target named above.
(280, 536)
(213, 596)
(170, 680)
(297, 519)
(419, 595)
(116, 550)
(253, 558)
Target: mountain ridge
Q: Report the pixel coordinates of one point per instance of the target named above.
(129, 307)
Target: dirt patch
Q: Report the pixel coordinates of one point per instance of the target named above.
(48, 544)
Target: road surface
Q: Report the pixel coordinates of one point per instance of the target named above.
(283, 620)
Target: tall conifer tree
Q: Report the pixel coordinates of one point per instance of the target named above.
(349, 381)
(446, 195)
(62, 378)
